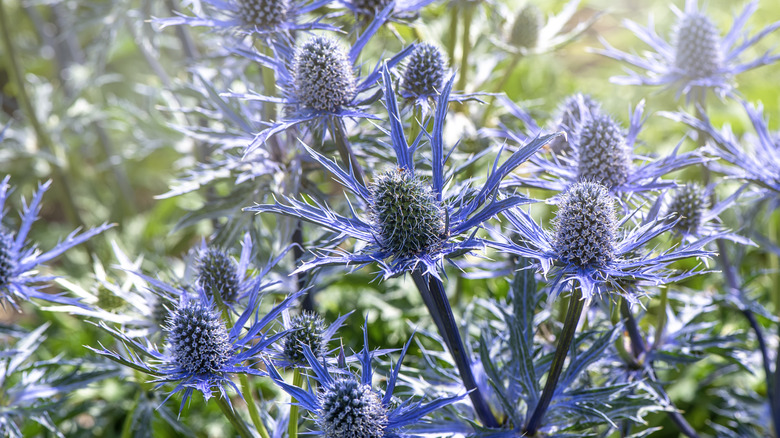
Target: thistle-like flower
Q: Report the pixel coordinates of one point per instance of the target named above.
(218, 275)
(530, 32)
(591, 246)
(347, 406)
(319, 84)
(309, 329)
(398, 10)
(274, 20)
(409, 222)
(755, 158)
(18, 259)
(203, 351)
(694, 217)
(697, 58)
(600, 150)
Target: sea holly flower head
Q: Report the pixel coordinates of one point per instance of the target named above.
(599, 149)
(689, 203)
(319, 84)
(324, 77)
(218, 275)
(203, 351)
(526, 27)
(408, 221)
(19, 280)
(305, 329)
(400, 10)
(345, 405)
(273, 20)
(697, 58)
(591, 246)
(424, 72)
(755, 158)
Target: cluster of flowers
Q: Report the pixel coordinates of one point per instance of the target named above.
(623, 228)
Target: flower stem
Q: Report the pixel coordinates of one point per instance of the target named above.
(339, 133)
(637, 343)
(254, 413)
(500, 87)
(292, 427)
(45, 142)
(127, 426)
(435, 298)
(772, 385)
(576, 306)
(234, 419)
(453, 41)
(660, 326)
(468, 14)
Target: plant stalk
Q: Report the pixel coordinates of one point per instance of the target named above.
(637, 343)
(340, 137)
(435, 298)
(292, 427)
(468, 14)
(576, 306)
(254, 413)
(234, 419)
(516, 57)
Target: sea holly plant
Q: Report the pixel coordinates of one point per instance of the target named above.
(697, 57)
(411, 225)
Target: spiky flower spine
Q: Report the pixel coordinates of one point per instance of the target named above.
(697, 50)
(218, 275)
(308, 328)
(324, 77)
(570, 110)
(159, 313)
(198, 339)
(425, 70)
(586, 225)
(603, 154)
(263, 13)
(370, 7)
(405, 214)
(688, 205)
(526, 28)
(7, 260)
(351, 409)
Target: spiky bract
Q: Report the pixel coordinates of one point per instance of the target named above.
(603, 154)
(324, 78)
(198, 339)
(351, 409)
(697, 46)
(586, 226)
(405, 214)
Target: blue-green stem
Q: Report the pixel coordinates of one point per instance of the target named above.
(237, 422)
(516, 57)
(435, 298)
(340, 137)
(576, 306)
(15, 72)
(468, 14)
(292, 427)
(453, 31)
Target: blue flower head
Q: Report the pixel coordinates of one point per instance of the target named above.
(18, 259)
(398, 10)
(319, 83)
(424, 72)
(698, 57)
(408, 220)
(203, 350)
(591, 246)
(273, 20)
(347, 406)
(598, 149)
(218, 275)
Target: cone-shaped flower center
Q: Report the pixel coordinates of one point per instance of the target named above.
(603, 154)
(324, 78)
(698, 51)
(586, 225)
(572, 108)
(405, 214)
(688, 204)
(424, 71)
(263, 13)
(525, 30)
(218, 275)
(198, 339)
(7, 259)
(351, 410)
(308, 328)
(369, 7)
